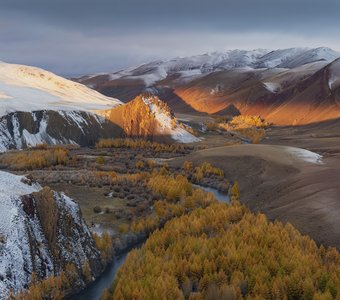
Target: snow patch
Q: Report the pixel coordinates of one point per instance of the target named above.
(272, 87)
(305, 155)
(150, 79)
(334, 77)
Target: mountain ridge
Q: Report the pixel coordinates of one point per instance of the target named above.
(223, 61)
(257, 82)
(40, 107)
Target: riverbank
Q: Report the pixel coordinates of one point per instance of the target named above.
(95, 289)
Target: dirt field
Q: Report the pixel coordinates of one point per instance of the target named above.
(287, 183)
(90, 197)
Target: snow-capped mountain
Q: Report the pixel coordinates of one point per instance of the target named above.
(260, 82)
(33, 230)
(25, 88)
(194, 66)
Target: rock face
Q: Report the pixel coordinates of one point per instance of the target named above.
(23, 129)
(149, 117)
(41, 231)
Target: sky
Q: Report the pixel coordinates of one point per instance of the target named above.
(78, 37)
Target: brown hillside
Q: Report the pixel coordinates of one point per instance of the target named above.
(309, 100)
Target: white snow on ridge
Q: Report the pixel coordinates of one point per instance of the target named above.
(24, 88)
(295, 57)
(276, 58)
(150, 79)
(305, 155)
(169, 125)
(193, 66)
(188, 67)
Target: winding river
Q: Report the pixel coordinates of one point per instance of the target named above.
(220, 196)
(95, 290)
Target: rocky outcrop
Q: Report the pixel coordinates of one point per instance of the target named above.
(147, 116)
(23, 129)
(41, 232)
(231, 110)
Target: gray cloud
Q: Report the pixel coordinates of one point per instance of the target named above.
(73, 37)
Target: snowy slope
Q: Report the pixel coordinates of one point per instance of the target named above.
(279, 57)
(14, 248)
(155, 71)
(24, 88)
(288, 77)
(311, 55)
(23, 244)
(295, 57)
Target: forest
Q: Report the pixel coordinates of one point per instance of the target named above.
(227, 252)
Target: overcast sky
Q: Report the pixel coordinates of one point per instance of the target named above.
(77, 37)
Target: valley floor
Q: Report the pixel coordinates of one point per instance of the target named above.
(286, 183)
(291, 176)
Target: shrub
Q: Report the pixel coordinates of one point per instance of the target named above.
(235, 191)
(35, 159)
(140, 164)
(244, 121)
(97, 209)
(100, 160)
(187, 165)
(123, 228)
(207, 170)
(142, 144)
(104, 245)
(172, 188)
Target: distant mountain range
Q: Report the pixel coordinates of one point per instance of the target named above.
(289, 86)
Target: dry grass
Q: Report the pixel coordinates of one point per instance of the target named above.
(35, 159)
(142, 144)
